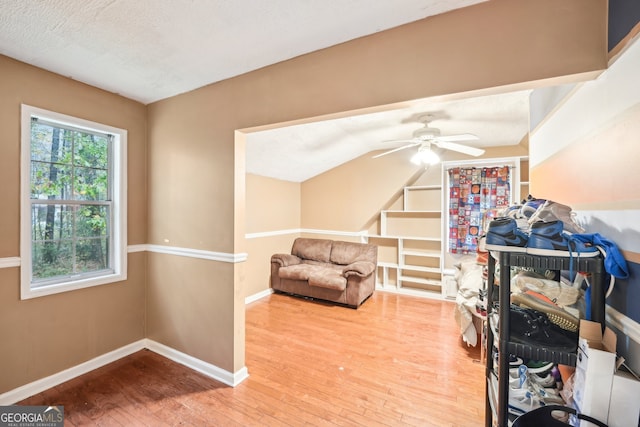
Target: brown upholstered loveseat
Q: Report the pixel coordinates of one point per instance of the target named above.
(342, 272)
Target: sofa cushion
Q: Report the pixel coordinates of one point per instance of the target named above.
(313, 249)
(359, 268)
(328, 278)
(347, 252)
(298, 271)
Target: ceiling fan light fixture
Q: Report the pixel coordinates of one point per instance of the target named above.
(425, 156)
(426, 133)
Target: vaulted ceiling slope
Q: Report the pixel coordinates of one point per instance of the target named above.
(300, 152)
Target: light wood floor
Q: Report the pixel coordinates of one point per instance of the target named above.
(395, 361)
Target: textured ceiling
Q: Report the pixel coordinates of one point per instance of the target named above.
(148, 50)
(153, 49)
(297, 153)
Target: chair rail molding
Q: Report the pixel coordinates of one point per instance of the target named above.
(10, 262)
(189, 252)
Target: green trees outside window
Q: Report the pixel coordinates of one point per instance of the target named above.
(71, 202)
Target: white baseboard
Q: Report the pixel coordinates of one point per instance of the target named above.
(259, 295)
(38, 386)
(411, 292)
(218, 374)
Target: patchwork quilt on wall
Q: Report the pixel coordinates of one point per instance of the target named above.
(473, 191)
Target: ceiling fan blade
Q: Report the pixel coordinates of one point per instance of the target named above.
(459, 137)
(472, 151)
(414, 140)
(413, 144)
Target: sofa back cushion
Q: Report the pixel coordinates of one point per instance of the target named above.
(347, 252)
(312, 249)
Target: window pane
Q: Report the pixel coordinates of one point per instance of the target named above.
(92, 255)
(50, 181)
(49, 144)
(51, 259)
(70, 210)
(90, 150)
(51, 222)
(69, 239)
(90, 184)
(92, 221)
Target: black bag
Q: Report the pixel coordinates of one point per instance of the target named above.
(542, 417)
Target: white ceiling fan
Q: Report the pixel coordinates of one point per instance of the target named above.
(427, 136)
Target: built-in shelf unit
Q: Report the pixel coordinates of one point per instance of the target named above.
(412, 244)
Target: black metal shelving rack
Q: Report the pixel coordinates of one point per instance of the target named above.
(592, 265)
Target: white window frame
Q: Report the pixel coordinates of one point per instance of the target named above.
(119, 205)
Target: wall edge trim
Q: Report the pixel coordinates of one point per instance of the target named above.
(12, 396)
(305, 230)
(272, 233)
(20, 393)
(624, 324)
(208, 369)
(258, 296)
(336, 232)
(197, 253)
(8, 262)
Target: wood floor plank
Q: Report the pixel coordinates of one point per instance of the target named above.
(395, 361)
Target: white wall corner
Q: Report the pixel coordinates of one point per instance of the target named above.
(232, 379)
(137, 248)
(258, 296)
(218, 374)
(38, 386)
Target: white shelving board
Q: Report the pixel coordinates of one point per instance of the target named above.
(415, 234)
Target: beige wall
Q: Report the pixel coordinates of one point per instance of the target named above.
(188, 306)
(348, 198)
(271, 204)
(192, 164)
(272, 207)
(45, 335)
(194, 169)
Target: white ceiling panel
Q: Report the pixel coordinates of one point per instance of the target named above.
(153, 49)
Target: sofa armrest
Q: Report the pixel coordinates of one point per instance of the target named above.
(359, 268)
(285, 260)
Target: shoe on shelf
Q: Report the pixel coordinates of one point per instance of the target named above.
(560, 293)
(548, 238)
(531, 206)
(516, 378)
(531, 327)
(514, 363)
(504, 235)
(539, 366)
(544, 387)
(512, 211)
(541, 303)
(522, 401)
(551, 211)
